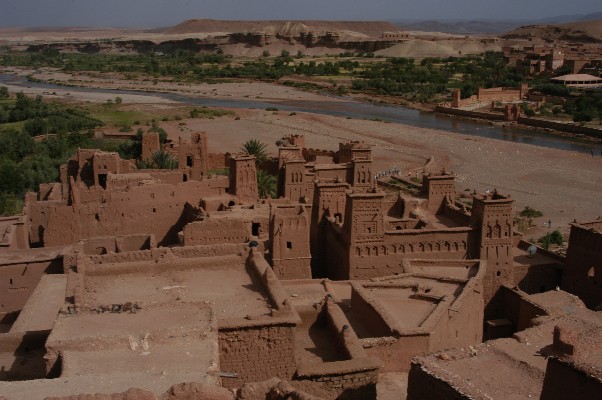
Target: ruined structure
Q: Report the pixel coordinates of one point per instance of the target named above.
(150, 278)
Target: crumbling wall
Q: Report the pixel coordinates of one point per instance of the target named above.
(118, 244)
(289, 238)
(152, 209)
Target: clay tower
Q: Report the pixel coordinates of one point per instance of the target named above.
(492, 219)
(438, 188)
(243, 176)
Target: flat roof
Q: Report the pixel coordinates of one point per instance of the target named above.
(43, 306)
(232, 290)
(110, 329)
(151, 349)
(491, 370)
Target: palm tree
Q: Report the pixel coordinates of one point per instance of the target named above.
(158, 160)
(255, 148)
(163, 160)
(266, 185)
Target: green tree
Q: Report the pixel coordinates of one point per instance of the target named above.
(4, 94)
(10, 204)
(266, 185)
(255, 148)
(15, 145)
(11, 177)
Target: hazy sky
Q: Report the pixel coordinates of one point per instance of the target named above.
(150, 13)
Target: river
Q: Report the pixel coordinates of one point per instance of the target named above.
(354, 109)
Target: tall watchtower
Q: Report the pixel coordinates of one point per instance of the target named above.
(294, 185)
(243, 176)
(193, 155)
(150, 144)
(438, 188)
(354, 150)
(364, 219)
(492, 219)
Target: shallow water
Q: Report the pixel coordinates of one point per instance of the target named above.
(354, 109)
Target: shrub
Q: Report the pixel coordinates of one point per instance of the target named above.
(529, 212)
(550, 239)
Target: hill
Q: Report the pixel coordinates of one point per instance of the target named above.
(368, 28)
(585, 31)
(487, 26)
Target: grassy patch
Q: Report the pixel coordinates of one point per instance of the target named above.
(210, 113)
(113, 115)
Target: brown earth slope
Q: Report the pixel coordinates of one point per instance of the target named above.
(586, 31)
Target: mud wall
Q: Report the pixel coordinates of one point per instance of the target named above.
(583, 271)
(499, 93)
(470, 114)
(459, 324)
(397, 352)
(216, 231)
(374, 260)
(18, 280)
(424, 385)
(563, 381)
(519, 310)
(218, 160)
(257, 353)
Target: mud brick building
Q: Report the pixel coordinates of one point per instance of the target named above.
(149, 278)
